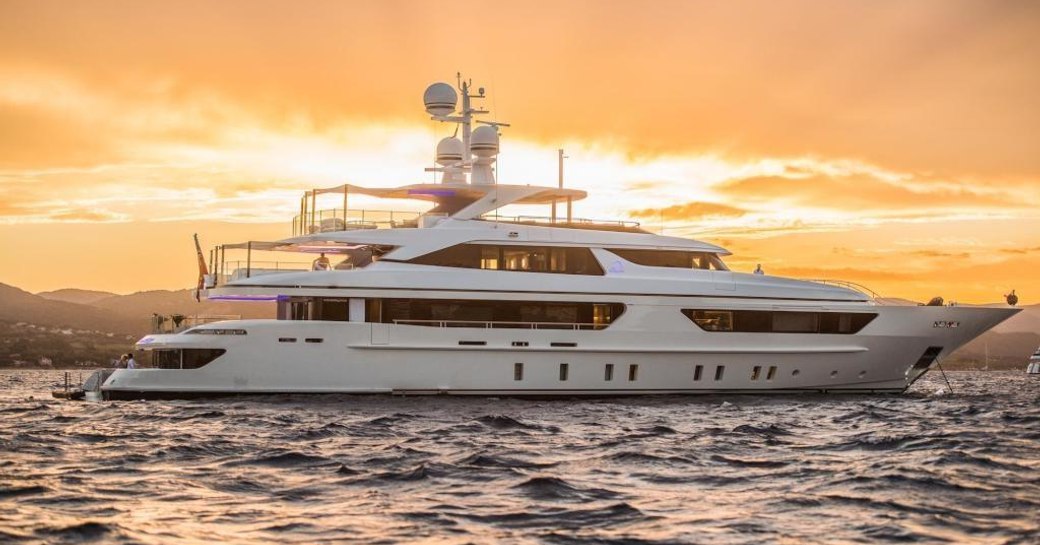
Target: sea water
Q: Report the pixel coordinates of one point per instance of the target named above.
(918, 467)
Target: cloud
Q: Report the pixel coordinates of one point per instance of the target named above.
(1020, 250)
(865, 191)
(690, 211)
(799, 82)
(86, 216)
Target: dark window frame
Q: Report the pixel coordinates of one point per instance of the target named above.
(577, 260)
(779, 321)
(672, 259)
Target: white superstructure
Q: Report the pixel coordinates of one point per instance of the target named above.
(1034, 363)
(459, 300)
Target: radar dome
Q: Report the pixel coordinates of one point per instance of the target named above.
(484, 142)
(449, 151)
(440, 99)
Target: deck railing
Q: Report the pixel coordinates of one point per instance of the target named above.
(503, 325)
(175, 323)
(338, 219)
(548, 220)
(849, 285)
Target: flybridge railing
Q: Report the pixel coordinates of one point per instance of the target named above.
(249, 268)
(849, 285)
(548, 220)
(175, 323)
(505, 325)
(338, 219)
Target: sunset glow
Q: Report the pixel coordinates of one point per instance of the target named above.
(892, 144)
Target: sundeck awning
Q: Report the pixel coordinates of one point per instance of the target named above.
(437, 192)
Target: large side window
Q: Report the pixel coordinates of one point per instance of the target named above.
(552, 259)
(671, 258)
(767, 321)
(495, 314)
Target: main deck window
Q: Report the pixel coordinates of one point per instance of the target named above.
(671, 258)
(550, 259)
(494, 313)
(768, 321)
(186, 358)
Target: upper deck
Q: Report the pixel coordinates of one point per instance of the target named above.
(455, 200)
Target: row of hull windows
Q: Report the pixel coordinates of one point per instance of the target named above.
(698, 372)
(565, 368)
(549, 259)
(767, 321)
(456, 312)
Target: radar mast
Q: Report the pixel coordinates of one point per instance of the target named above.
(456, 157)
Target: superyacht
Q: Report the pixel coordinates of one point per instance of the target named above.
(463, 300)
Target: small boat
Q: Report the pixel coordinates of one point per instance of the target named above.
(1034, 363)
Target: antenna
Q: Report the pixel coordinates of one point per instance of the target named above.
(441, 101)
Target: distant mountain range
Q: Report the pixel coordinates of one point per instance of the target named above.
(129, 316)
(112, 313)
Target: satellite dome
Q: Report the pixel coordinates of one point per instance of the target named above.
(449, 150)
(440, 99)
(484, 142)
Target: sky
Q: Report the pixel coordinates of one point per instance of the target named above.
(893, 144)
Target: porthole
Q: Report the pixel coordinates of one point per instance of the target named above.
(795, 373)
(564, 370)
(772, 373)
(518, 371)
(755, 372)
(834, 374)
(608, 372)
(697, 372)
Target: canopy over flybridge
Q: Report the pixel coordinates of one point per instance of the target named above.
(468, 188)
(460, 200)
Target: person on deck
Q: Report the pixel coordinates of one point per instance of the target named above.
(131, 363)
(322, 263)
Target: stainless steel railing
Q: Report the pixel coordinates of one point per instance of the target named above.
(175, 323)
(504, 325)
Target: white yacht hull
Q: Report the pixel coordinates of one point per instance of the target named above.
(376, 358)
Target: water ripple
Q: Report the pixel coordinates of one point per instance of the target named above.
(658, 470)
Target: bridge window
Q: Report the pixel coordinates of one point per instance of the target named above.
(767, 321)
(551, 259)
(672, 258)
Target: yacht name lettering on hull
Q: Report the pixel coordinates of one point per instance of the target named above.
(946, 324)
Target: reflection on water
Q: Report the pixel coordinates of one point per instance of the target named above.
(742, 469)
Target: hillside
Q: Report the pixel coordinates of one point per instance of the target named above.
(21, 306)
(145, 303)
(1027, 321)
(72, 295)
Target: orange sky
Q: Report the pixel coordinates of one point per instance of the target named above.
(893, 144)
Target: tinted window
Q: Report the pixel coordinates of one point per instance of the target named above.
(514, 258)
(498, 314)
(671, 258)
(767, 321)
(188, 358)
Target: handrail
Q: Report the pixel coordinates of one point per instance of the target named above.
(505, 325)
(848, 285)
(551, 220)
(338, 219)
(175, 323)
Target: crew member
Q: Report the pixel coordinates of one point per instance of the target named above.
(322, 263)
